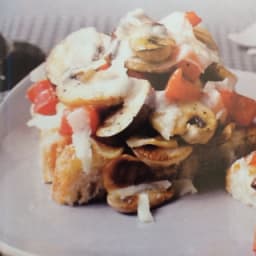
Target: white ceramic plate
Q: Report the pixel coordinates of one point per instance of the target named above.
(208, 223)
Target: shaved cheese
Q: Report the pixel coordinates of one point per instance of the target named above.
(166, 116)
(143, 209)
(82, 145)
(79, 122)
(45, 122)
(131, 190)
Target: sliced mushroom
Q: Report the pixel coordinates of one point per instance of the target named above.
(102, 88)
(157, 152)
(137, 64)
(103, 153)
(162, 157)
(205, 37)
(79, 49)
(156, 196)
(197, 124)
(151, 42)
(158, 141)
(217, 72)
(194, 122)
(136, 107)
(125, 171)
(152, 49)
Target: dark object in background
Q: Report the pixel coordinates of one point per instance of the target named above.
(3, 48)
(3, 53)
(16, 61)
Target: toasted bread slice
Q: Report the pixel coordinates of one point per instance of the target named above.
(71, 184)
(51, 146)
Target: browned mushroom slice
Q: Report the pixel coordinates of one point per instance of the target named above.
(158, 141)
(205, 37)
(152, 49)
(157, 195)
(137, 105)
(103, 153)
(125, 171)
(137, 64)
(162, 157)
(151, 42)
(194, 122)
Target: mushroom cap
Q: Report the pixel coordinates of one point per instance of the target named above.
(137, 105)
(78, 50)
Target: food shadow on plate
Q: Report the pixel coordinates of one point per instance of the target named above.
(211, 177)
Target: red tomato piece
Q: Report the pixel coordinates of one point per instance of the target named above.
(244, 110)
(190, 70)
(193, 18)
(253, 162)
(228, 98)
(240, 108)
(35, 89)
(45, 102)
(180, 89)
(104, 66)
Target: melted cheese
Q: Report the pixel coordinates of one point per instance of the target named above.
(166, 115)
(143, 209)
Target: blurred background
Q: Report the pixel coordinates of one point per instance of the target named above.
(44, 23)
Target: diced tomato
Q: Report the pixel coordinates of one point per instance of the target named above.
(193, 18)
(136, 74)
(228, 98)
(93, 117)
(92, 114)
(65, 128)
(190, 70)
(244, 110)
(45, 102)
(241, 109)
(104, 66)
(180, 89)
(35, 89)
(253, 161)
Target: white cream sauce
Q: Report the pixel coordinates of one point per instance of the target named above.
(182, 32)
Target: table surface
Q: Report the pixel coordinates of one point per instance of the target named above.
(44, 23)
